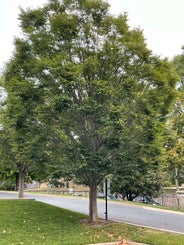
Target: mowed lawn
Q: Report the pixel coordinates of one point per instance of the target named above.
(30, 222)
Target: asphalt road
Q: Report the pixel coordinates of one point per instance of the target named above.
(169, 221)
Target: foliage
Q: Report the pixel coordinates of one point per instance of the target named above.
(175, 127)
(8, 178)
(178, 64)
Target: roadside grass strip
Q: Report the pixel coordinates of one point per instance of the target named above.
(30, 222)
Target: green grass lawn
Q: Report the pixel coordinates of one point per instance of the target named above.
(29, 222)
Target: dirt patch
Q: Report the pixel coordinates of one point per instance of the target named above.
(98, 223)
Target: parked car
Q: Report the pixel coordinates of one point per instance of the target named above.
(100, 195)
(146, 200)
(109, 197)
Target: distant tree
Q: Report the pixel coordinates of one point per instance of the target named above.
(175, 126)
(92, 80)
(22, 141)
(142, 149)
(142, 154)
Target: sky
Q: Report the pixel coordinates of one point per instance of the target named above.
(162, 23)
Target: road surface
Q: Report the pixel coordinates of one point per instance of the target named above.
(169, 221)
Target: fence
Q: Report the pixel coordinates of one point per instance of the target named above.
(70, 191)
(171, 200)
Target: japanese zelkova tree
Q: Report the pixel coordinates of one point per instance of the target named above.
(95, 79)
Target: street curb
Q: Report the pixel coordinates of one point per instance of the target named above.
(18, 199)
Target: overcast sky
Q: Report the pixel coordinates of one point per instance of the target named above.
(162, 22)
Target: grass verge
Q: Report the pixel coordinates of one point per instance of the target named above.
(29, 222)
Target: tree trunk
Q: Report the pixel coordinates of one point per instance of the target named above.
(93, 213)
(21, 180)
(16, 181)
(177, 178)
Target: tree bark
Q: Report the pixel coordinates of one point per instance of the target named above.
(21, 169)
(177, 178)
(16, 181)
(93, 212)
